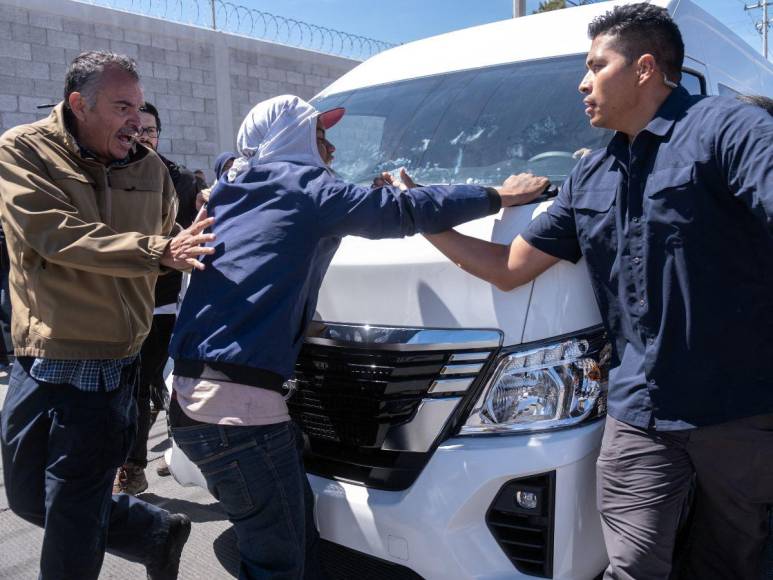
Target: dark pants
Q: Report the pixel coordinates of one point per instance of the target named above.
(60, 448)
(257, 475)
(645, 479)
(6, 347)
(153, 357)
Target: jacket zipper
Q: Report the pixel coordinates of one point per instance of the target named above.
(108, 198)
(109, 221)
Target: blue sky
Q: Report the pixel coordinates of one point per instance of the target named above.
(405, 20)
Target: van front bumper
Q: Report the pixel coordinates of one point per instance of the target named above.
(437, 527)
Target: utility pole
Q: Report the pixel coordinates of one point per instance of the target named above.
(764, 25)
(214, 22)
(519, 8)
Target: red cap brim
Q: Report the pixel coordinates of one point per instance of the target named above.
(331, 117)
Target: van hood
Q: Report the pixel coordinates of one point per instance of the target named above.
(407, 282)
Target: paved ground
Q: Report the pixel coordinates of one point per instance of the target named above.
(210, 553)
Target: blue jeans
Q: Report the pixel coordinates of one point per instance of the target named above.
(61, 447)
(257, 475)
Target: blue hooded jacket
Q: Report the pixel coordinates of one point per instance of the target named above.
(278, 225)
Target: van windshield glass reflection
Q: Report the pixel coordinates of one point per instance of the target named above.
(474, 126)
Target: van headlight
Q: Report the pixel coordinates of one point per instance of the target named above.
(548, 387)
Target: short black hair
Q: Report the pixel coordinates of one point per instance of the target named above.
(86, 71)
(149, 108)
(643, 29)
(765, 103)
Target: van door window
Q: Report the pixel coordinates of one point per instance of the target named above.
(693, 82)
(475, 126)
(726, 91)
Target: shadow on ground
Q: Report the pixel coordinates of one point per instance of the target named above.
(198, 512)
(227, 552)
(161, 447)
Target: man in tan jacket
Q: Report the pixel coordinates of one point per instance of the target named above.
(89, 216)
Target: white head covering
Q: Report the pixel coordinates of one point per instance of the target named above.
(280, 129)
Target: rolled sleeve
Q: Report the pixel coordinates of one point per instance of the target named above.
(554, 231)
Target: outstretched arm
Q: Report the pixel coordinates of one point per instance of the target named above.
(506, 267)
(395, 210)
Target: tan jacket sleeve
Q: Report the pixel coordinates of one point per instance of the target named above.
(41, 214)
(170, 227)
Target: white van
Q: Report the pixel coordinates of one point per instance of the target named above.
(453, 428)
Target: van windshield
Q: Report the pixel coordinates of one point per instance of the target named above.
(476, 126)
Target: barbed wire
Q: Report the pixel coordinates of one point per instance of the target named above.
(227, 16)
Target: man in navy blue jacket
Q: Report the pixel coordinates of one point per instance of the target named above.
(280, 215)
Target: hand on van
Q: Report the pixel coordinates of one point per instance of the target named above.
(516, 190)
(521, 189)
(404, 181)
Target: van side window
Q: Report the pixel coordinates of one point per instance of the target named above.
(693, 82)
(726, 91)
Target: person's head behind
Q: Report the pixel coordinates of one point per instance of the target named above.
(151, 126)
(286, 128)
(765, 103)
(635, 60)
(224, 162)
(103, 93)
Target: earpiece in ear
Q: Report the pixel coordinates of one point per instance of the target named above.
(668, 83)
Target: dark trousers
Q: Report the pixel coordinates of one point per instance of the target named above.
(60, 449)
(153, 357)
(257, 475)
(6, 347)
(645, 480)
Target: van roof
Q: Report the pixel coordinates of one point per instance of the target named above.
(495, 43)
(481, 46)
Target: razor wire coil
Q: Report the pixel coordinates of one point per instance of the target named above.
(227, 16)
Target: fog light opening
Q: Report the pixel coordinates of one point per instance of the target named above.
(528, 500)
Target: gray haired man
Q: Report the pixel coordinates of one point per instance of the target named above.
(88, 215)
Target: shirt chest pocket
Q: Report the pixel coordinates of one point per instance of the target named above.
(594, 216)
(137, 203)
(81, 190)
(668, 197)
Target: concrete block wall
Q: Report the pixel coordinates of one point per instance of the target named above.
(202, 81)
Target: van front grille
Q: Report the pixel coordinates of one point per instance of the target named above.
(372, 409)
(352, 397)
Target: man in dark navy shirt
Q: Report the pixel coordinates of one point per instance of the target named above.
(675, 220)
